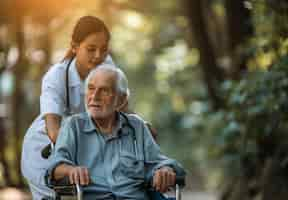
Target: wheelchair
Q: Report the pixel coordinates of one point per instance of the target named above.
(63, 189)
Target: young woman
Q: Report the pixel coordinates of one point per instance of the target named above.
(62, 94)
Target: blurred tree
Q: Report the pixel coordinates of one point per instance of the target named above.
(16, 26)
(240, 29)
(249, 134)
(212, 73)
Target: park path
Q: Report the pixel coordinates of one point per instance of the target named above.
(15, 194)
(193, 195)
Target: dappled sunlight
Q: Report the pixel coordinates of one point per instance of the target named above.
(172, 60)
(6, 83)
(176, 58)
(163, 87)
(197, 107)
(132, 19)
(178, 103)
(13, 194)
(130, 43)
(121, 1)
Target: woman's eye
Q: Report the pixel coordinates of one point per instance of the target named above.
(90, 49)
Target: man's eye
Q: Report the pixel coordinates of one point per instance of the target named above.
(105, 92)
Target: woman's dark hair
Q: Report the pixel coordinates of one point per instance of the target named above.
(85, 26)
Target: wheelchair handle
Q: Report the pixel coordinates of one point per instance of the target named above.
(180, 181)
(178, 192)
(79, 192)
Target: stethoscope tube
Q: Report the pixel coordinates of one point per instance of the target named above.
(128, 124)
(67, 86)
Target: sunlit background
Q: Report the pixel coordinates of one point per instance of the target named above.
(186, 63)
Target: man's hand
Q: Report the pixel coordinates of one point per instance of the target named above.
(163, 179)
(79, 175)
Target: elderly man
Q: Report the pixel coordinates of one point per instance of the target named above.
(109, 151)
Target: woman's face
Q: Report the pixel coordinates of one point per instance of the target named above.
(91, 52)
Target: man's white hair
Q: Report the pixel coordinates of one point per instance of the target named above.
(121, 79)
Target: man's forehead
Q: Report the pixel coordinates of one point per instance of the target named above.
(103, 76)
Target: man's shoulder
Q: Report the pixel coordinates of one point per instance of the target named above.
(134, 118)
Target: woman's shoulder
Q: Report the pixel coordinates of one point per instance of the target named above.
(55, 73)
(56, 69)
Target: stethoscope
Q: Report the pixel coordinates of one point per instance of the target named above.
(129, 125)
(67, 86)
(127, 122)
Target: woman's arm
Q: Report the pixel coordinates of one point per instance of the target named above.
(52, 101)
(53, 122)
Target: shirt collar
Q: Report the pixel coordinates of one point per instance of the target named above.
(90, 127)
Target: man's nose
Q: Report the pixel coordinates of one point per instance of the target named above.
(96, 94)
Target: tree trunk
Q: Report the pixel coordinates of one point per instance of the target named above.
(6, 172)
(17, 96)
(213, 75)
(239, 28)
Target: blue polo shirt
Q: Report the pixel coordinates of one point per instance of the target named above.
(116, 164)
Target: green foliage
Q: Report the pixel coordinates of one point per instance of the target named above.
(254, 118)
(253, 122)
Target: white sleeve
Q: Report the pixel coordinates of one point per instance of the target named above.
(52, 99)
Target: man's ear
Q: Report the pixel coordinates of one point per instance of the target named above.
(122, 104)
